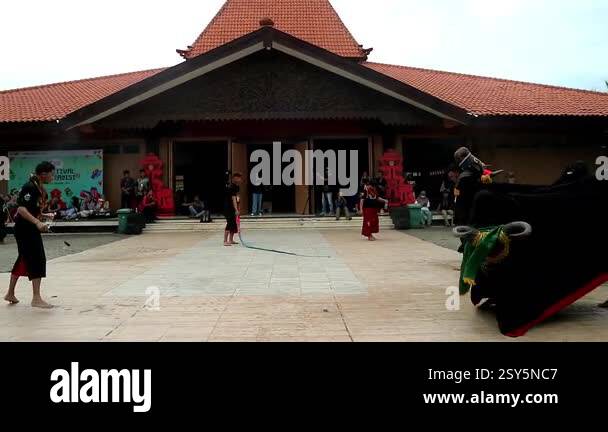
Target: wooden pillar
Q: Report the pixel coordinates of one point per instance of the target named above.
(399, 144)
(165, 153)
(377, 152)
(302, 191)
(240, 164)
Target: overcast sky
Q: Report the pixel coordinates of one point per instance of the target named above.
(561, 42)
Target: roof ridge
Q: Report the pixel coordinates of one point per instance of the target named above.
(41, 86)
(209, 24)
(233, 20)
(506, 80)
(355, 40)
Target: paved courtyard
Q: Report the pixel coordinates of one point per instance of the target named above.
(188, 287)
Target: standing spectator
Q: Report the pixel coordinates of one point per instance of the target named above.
(446, 206)
(127, 189)
(425, 203)
(257, 189)
(327, 196)
(143, 187)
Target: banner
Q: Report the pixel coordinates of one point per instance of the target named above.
(78, 173)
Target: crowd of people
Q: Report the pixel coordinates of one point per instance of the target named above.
(137, 195)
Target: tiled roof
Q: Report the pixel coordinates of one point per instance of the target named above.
(314, 21)
(478, 95)
(55, 101)
(484, 96)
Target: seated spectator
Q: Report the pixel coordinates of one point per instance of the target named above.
(55, 205)
(425, 203)
(196, 208)
(342, 207)
(104, 206)
(149, 207)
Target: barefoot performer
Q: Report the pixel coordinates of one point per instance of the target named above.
(28, 226)
(370, 206)
(231, 209)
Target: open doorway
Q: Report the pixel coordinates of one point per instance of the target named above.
(426, 161)
(199, 169)
(277, 199)
(362, 147)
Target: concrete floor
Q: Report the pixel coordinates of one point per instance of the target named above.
(188, 287)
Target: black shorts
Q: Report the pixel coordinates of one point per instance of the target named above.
(32, 259)
(231, 225)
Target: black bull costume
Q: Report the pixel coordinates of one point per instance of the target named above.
(531, 270)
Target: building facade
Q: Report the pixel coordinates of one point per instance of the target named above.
(285, 71)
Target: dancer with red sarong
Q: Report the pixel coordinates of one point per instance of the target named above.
(370, 206)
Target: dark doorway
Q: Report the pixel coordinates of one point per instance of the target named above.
(426, 161)
(361, 145)
(199, 169)
(277, 199)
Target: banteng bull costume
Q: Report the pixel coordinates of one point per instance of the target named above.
(527, 253)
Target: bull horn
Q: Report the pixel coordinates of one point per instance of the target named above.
(517, 230)
(463, 232)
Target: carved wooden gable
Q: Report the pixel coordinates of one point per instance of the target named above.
(269, 85)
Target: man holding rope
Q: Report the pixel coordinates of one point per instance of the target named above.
(31, 261)
(231, 209)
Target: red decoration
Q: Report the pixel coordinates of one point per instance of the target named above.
(398, 192)
(153, 167)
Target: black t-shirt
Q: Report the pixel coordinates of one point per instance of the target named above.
(30, 198)
(231, 191)
(257, 189)
(372, 203)
(129, 184)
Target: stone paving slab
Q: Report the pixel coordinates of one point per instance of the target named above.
(209, 268)
(390, 290)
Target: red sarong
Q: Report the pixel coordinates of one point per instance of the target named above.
(371, 223)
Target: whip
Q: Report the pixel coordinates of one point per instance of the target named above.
(277, 251)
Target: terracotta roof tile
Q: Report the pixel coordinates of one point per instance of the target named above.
(55, 101)
(480, 96)
(484, 96)
(314, 21)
